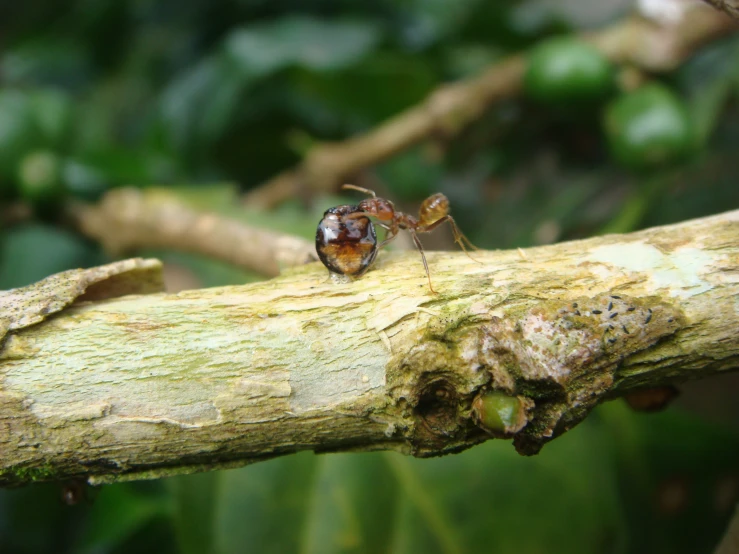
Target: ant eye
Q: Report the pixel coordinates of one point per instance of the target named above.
(346, 241)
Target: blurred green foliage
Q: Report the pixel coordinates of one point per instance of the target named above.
(96, 94)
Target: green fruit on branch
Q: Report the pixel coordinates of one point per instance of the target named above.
(39, 178)
(567, 70)
(649, 127)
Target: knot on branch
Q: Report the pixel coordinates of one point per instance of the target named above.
(565, 355)
(530, 374)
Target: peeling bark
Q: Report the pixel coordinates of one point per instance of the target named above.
(151, 385)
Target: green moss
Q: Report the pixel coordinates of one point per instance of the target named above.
(25, 474)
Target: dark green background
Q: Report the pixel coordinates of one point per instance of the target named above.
(214, 97)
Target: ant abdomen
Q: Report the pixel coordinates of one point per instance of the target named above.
(434, 208)
(346, 241)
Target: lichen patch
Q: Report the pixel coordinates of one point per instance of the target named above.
(567, 353)
(682, 271)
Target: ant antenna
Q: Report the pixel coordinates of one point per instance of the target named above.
(360, 189)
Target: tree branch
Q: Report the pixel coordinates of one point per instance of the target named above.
(129, 218)
(451, 108)
(522, 345)
(728, 6)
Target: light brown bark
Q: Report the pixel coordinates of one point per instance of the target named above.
(155, 384)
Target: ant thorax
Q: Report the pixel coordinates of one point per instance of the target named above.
(378, 207)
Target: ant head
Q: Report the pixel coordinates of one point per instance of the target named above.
(433, 209)
(378, 207)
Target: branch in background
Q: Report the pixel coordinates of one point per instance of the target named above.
(451, 108)
(522, 345)
(730, 541)
(728, 6)
(14, 213)
(129, 218)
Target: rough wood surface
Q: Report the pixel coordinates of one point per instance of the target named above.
(155, 384)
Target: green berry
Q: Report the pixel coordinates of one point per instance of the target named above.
(648, 127)
(499, 413)
(39, 178)
(567, 70)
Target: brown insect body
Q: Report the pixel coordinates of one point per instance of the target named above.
(433, 212)
(346, 241)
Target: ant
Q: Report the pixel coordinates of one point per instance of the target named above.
(433, 212)
(77, 491)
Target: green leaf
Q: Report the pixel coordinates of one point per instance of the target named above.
(492, 497)
(19, 133)
(352, 506)
(198, 106)
(706, 106)
(262, 508)
(21, 511)
(677, 473)
(364, 93)
(83, 181)
(428, 21)
(183, 99)
(385, 502)
(32, 252)
(194, 499)
(261, 49)
(411, 175)
(123, 166)
(52, 110)
(591, 490)
(46, 60)
(119, 512)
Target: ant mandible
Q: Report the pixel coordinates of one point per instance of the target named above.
(433, 212)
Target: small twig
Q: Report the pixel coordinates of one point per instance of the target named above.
(14, 213)
(727, 6)
(128, 218)
(451, 108)
(730, 542)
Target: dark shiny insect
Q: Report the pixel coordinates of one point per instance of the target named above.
(76, 492)
(433, 212)
(346, 241)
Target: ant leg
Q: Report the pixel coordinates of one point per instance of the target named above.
(423, 257)
(368, 192)
(459, 237)
(389, 234)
